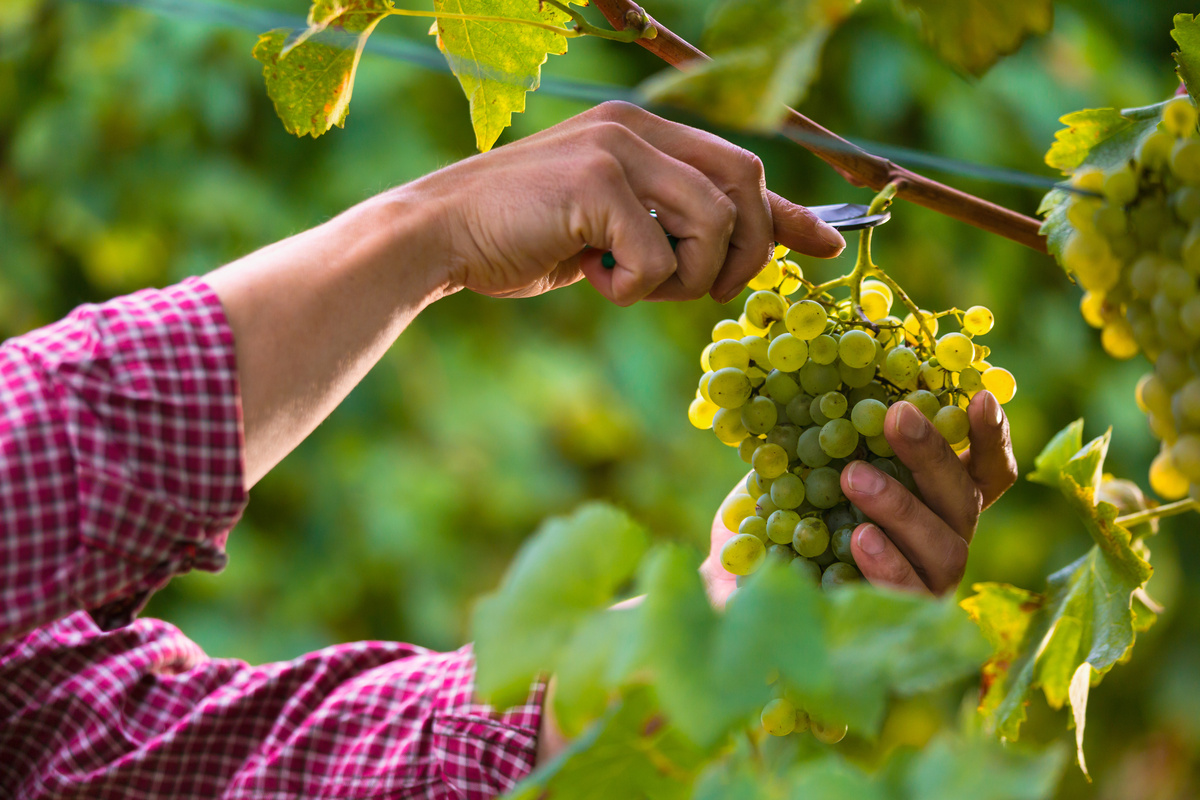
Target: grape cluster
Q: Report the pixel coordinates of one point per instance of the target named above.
(1135, 250)
(801, 389)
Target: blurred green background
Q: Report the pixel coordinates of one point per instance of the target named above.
(137, 149)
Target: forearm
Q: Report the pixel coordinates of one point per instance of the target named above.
(312, 314)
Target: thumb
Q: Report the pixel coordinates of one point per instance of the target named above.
(799, 229)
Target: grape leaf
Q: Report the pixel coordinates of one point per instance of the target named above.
(568, 570)
(1104, 138)
(630, 752)
(953, 768)
(973, 34)
(1186, 34)
(497, 63)
(765, 55)
(310, 77)
(599, 658)
(1086, 616)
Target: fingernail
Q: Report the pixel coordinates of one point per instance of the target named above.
(865, 479)
(870, 540)
(912, 423)
(736, 291)
(991, 410)
(830, 236)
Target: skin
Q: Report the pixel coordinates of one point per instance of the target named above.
(313, 313)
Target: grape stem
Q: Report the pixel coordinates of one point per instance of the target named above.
(853, 163)
(1158, 512)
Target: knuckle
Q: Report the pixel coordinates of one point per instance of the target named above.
(954, 564)
(752, 165)
(903, 504)
(615, 110)
(608, 135)
(604, 167)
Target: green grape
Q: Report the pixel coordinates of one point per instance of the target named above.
(779, 717)
(913, 328)
(808, 449)
(814, 411)
(840, 541)
(700, 413)
(704, 365)
(811, 537)
(1153, 396)
(757, 377)
(1176, 283)
(901, 365)
(926, 402)
(978, 320)
(787, 353)
(856, 378)
(823, 349)
(1165, 478)
(797, 409)
(1186, 405)
(780, 387)
(875, 305)
(817, 379)
(872, 391)
(838, 438)
(743, 554)
(1191, 249)
(1000, 383)
(1120, 187)
(934, 377)
(729, 353)
(879, 446)
(770, 461)
(868, 416)
(806, 320)
(1179, 117)
(729, 388)
(776, 330)
(787, 491)
(1154, 151)
(781, 525)
(757, 347)
(970, 380)
(823, 487)
(810, 571)
(825, 558)
(1173, 368)
(838, 574)
(727, 329)
(1111, 221)
(756, 484)
(764, 506)
(1185, 455)
(785, 436)
(727, 425)
(781, 552)
(759, 415)
(839, 516)
(833, 404)
(1186, 203)
(748, 446)
(755, 526)
(884, 465)
(768, 277)
(952, 423)
(1171, 242)
(955, 352)
(703, 386)
(1185, 160)
(828, 733)
(856, 348)
(763, 308)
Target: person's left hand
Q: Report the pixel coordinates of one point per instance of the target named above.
(918, 544)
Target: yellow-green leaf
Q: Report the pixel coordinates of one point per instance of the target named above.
(310, 77)
(973, 34)
(498, 62)
(1187, 35)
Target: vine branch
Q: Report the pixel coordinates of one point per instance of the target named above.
(1158, 512)
(853, 163)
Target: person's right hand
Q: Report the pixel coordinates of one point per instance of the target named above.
(517, 221)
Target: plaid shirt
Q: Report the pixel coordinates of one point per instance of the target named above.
(120, 466)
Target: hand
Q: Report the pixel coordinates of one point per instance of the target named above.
(516, 221)
(913, 544)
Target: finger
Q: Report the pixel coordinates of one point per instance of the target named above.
(937, 553)
(763, 217)
(798, 228)
(989, 460)
(881, 563)
(943, 480)
(618, 221)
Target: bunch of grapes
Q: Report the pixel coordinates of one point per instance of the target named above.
(1135, 250)
(801, 388)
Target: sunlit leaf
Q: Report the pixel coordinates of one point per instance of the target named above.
(1187, 35)
(973, 34)
(765, 53)
(954, 768)
(310, 77)
(497, 62)
(569, 569)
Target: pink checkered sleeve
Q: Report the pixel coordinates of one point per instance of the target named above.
(141, 712)
(120, 455)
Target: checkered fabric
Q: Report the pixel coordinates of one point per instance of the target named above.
(120, 466)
